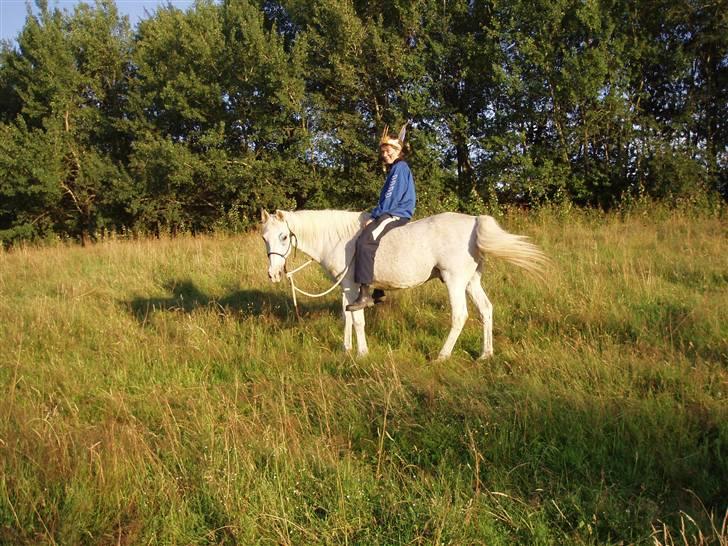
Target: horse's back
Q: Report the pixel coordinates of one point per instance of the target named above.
(418, 251)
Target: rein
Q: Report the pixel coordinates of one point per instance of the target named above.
(295, 289)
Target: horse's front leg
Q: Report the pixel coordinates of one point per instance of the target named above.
(348, 320)
(355, 319)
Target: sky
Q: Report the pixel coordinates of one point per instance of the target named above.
(13, 12)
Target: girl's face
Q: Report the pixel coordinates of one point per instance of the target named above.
(389, 153)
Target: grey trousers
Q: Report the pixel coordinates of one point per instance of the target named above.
(367, 244)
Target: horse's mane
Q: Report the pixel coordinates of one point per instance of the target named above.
(334, 225)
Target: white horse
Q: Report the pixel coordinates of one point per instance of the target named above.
(449, 246)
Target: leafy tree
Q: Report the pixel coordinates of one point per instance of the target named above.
(67, 75)
(216, 111)
(217, 105)
(684, 86)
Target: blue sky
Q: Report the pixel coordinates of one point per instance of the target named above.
(13, 12)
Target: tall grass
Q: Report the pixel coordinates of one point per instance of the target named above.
(163, 392)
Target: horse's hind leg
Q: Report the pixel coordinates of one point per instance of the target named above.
(481, 301)
(459, 309)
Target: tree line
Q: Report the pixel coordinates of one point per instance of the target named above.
(196, 119)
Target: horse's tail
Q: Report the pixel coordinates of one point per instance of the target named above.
(493, 240)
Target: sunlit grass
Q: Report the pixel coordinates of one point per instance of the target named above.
(163, 391)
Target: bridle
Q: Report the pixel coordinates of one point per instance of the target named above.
(291, 237)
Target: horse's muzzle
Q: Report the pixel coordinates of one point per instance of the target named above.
(274, 274)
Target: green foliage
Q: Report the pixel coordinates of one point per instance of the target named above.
(228, 107)
(65, 173)
(219, 118)
(31, 166)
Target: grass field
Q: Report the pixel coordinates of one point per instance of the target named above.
(163, 392)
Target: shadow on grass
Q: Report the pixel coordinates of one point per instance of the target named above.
(185, 296)
(621, 464)
(663, 324)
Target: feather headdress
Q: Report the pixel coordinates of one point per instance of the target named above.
(395, 142)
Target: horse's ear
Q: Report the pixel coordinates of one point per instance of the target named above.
(264, 216)
(279, 215)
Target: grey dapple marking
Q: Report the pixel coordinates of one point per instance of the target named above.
(449, 246)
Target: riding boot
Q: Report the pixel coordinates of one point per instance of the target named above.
(362, 301)
(379, 296)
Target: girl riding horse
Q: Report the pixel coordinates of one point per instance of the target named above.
(395, 208)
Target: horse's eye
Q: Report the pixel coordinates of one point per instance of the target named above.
(284, 237)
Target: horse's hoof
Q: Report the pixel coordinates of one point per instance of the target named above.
(442, 358)
(486, 356)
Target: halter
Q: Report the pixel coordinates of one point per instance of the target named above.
(291, 236)
(289, 275)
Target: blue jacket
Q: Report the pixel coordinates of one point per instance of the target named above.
(398, 193)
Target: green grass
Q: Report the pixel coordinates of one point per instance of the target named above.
(163, 392)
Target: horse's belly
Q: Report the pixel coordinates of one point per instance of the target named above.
(402, 267)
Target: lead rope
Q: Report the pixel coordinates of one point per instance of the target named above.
(295, 289)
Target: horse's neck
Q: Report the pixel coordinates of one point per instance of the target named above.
(311, 247)
(326, 244)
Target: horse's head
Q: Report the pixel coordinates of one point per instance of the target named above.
(279, 242)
